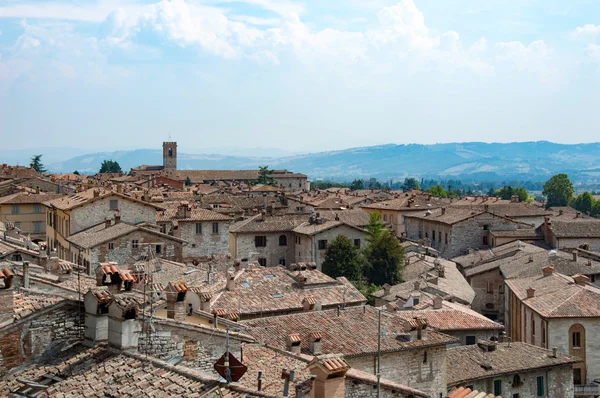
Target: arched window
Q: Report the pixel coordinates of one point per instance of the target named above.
(517, 381)
(282, 240)
(170, 152)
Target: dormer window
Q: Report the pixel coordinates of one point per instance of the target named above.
(416, 301)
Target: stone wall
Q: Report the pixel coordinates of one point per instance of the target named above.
(490, 304)
(245, 247)
(573, 243)
(478, 334)
(41, 336)
(96, 212)
(408, 368)
(363, 390)
(206, 243)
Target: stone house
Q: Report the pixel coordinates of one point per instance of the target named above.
(572, 232)
(116, 241)
(511, 370)
(523, 212)
(452, 231)
(71, 214)
(412, 353)
(206, 232)
(27, 212)
(554, 310)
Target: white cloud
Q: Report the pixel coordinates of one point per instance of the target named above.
(586, 31)
(593, 51)
(523, 57)
(281, 7)
(404, 22)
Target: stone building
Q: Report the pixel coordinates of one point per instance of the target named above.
(206, 232)
(554, 310)
(412, 354)
(452, 231)
(572, 232)
(69, 215)
(27, 213)
(511, 370)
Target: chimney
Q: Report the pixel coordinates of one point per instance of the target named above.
(96, 302)
(548, 270)
(555, 352)
(437, 303)
(119, 188)
(581, 280)
(315, 343)
(560, 212)
(183, 210)
(577, 214)
(205, 301)
(230, 285)
(514, 199)
(117, 218)
(575, 255)
(308, 303)
(6, 297)
(387, 289)
(486, 207)
(443, 211)
(107, 223)
(293, 343)
(176, 292)
(123, 327)
(26, 274)
(530, 292)
(96, 193)
(417, 285)
(329, 372)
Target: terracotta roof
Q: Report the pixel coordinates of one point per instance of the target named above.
(306, 228)
(522, 233)
(27, 198)
(562, 262)
(283, 223)
(100, 233)
(27, 303)
(88, 196)
(353, 333)
(195, 214)
(583, 228)
(468, 393)
(557, 296)
(471, 362)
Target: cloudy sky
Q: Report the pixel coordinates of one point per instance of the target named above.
(297, 75)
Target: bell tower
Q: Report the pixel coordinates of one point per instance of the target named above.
(170, 155)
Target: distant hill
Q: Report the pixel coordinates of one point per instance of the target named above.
(469, 160)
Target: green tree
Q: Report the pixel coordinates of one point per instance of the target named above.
(596, 209)
(264, 176)
(110, 166)
(584, 202)
(438, 191)
(559, 190)
(383, 259)
(342, 258)
(356, 185)
(188, 181)
(76, 173)
(36, 164)
(375, 227)
(410, 184)
(507, 192)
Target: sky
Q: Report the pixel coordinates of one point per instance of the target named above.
(297, 75)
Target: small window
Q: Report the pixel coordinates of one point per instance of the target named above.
(576, 339)
(485, 240)
(577, 376)
(158, 249)
(501, 289)
(490, 287)
(282, 261)
(170, 152)
(357, 243)
(470, 340)
(215, 228)
(16, 209)
(111, 246)
(262, 261)
(540, 386)
(517, 381)
(446, 238)
(385, 217)
(245, 284)
(282, 240)
(135, 244)
(420, 235)
(37, 209)
(37, 227)
(198, 228)
(433, 236)
(497, 387)
(277, 295)
(486, 227)
(260, 241)
(425, 357)
(440, 236)
(114, 204)
(532, 326)
(322, 244)
(416, 300)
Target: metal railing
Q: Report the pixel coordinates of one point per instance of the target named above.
(587, 389)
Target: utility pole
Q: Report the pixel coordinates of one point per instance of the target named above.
(378, 353)
(227, 368)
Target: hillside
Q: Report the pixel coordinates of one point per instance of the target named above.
(472, 160)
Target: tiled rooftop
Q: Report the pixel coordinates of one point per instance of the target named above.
(27, 198)
(195, 214)
(269, 224)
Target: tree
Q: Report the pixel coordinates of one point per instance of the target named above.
(36, 164)
(356, 185)
(584, 203)
(438, 191)
(596, 209)
(188, 181)
(507, 192)
(410, 184)
(76, 173)
(110, 166)
(342, 258)
(383, 259)
(375, 227)
(264, 176)
(559, 190)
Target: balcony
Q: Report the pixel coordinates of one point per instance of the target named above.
(587, 389)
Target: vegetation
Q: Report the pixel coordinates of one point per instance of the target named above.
(343, 259)
(187, 181)
(36, 164)
(383, 259)
(264, 176)
(321, 184)
(559, 190)
(586, 203)
(76, 173)
(438, 191)
(110, 166)
(410, 184)
(356, 185)
(507, 192)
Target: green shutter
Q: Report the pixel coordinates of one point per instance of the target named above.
(540, 386)
(497, 387)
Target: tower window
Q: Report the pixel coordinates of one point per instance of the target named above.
(170, 152)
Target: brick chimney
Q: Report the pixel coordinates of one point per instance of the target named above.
(183, 210)
(308, 303)
(548, 270)
(443, 211)
(530, 292)
(315, 339)
(581, 280)
(176, 292)
(6, 297)
(293, 342)
(514, 199)
(330, 376)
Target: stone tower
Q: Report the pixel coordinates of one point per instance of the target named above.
(170, 155)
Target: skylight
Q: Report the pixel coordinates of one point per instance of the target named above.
(270, 276)
(276, 295)
(245, 284)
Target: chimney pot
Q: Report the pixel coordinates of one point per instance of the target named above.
(575, 255)
(530, 292)
(581, 280)
(548, 270)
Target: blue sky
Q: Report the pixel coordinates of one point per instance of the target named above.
(300, 76)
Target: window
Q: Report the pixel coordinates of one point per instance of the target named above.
(439, 236)
(501, 289)
(111, 246)
(517, 382)
(357, 243)
(433, 236)
(576, 338)
(37, 227)
(322, 244)
(486, 227)
(37, 209)
(270, 276)
(497, 387)
(245, 284)
(543, 334)
(577, 376)
(16, 209)
(515, 396)
(485, 240)
(446, 238)
(282, 240)
(385, 217)
(260, 241)
(282, 261)
(470, 340)
(276, 295)
(135, 244)
(540, 386)
(215, 227)
(299, 209)
(532, 326)
(262, 261)
(170, 152)
(198, 228)
(416, 301)
(67, 228)
(420, 235)
(114, 204)
(425, 357)
(158, 249)
(490, 287)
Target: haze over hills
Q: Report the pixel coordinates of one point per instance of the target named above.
(469, 160)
